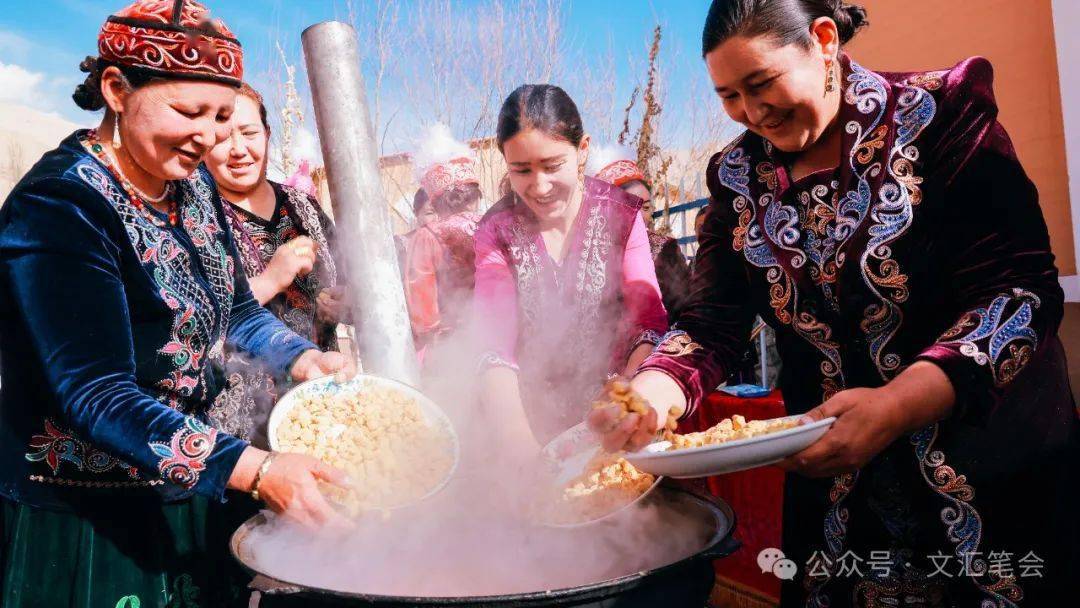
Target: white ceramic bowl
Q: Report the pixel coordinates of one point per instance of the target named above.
(433, 415)
(728, 457)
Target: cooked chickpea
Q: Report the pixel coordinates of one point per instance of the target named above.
(377, 435)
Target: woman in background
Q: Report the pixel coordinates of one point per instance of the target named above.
(440, 257)
(615, 166)
(423, 214)
(286, 247)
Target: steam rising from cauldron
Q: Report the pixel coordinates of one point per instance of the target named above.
(476, 536)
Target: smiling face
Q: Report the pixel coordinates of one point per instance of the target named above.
(169, 126)
(778, 91)
(544, 171)
(239, 163)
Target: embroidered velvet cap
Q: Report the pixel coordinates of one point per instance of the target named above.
(443, 176)
(442, 162)
(174, 38)
(615, 165)
(621, 172)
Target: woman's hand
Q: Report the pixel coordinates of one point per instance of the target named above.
(313, 364)
(291, 260)
(635, 431)
(290, 486)
(332, 305)
(869, 419)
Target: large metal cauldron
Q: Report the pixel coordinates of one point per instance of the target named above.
(686, 582)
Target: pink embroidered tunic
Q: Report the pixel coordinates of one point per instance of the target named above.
(566, 326)
(439, 267)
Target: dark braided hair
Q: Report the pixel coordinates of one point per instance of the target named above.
(88, 94)
(787, 21)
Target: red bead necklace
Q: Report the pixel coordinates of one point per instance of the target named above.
(138, 199)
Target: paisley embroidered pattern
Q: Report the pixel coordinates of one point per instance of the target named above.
(310, 220)
(931, 81)
(892, 213)
(198, 327)
(525, 257)
(963, 524)
(592, 269)
(57, 445)
(677, 344)
(184, 457)
(648, 336)
(734, 173)
(897, 592)
(781, 226)
(836, 518)
(1003, 345)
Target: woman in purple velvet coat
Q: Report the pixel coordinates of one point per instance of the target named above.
(883, 226)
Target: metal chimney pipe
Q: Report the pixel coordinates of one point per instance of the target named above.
(384, 335)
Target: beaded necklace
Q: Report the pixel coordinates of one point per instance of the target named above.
(138, 199)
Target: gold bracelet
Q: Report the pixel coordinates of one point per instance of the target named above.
(263, 468)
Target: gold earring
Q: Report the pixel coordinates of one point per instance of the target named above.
(830, 79)
(116, 132)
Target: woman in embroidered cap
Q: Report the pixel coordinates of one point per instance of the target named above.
(883, 226)
(285, 243)
(566, 292)
(439, 263)
(119, 286)
(615, 165)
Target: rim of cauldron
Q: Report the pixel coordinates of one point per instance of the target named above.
(721, 545)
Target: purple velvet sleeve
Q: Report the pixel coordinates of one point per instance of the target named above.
(1001, 273)
(714, 326)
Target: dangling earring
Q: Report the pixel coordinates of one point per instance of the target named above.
(116, 132)
(830, 78)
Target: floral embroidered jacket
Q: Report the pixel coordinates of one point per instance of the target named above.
(109, 319)
(296, 214)
(925, 243)
(566, 326)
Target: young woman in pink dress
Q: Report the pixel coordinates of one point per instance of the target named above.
(566, 291)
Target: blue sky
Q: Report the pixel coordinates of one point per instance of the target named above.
(42, 42)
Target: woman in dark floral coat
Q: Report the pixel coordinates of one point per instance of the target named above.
(883, 226)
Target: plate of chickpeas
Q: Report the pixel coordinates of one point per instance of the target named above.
(397, 446)
(734, 444)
